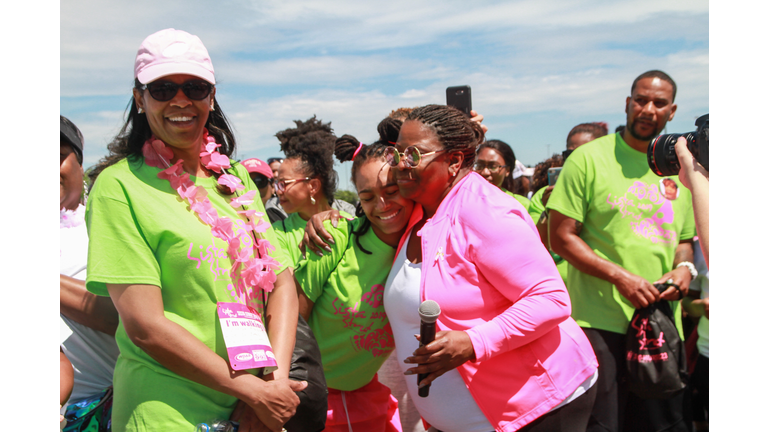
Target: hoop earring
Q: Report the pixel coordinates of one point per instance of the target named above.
(312, 200)
(85, 192)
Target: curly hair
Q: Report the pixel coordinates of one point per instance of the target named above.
(540, 179)
(400, 113)
(347, 145)
(312, 142)
(453, 128)
(136, 131)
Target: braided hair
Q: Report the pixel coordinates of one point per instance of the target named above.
(312, 143)
(453, 129)
(347, 145)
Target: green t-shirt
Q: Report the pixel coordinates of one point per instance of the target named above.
(348, 318)
(521, 199)
(535, 210)
(536, 207)
(289, 233)
(627, 220)
(142, 233)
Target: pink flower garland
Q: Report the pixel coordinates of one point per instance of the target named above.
(72, 218)
(247, 271)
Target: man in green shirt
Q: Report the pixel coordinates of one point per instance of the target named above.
(610, 220)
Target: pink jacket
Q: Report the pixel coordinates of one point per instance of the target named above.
(485, 265)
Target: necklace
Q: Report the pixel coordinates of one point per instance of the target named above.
(248, 271)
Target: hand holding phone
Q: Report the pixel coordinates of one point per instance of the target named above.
(553, 174)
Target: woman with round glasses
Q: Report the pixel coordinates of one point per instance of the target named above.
(305, 181)
(507, 355)
(494, 161)
(178, 243)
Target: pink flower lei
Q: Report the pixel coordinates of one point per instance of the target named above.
(248, 272)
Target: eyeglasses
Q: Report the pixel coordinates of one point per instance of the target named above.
(411, 154)
(274, 159)
(566, 153)
(282, 185)
(261, 181)
(163, 91)
(493, 168)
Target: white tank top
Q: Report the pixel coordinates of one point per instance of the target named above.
(449, 406)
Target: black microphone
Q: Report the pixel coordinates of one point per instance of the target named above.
(428, 312)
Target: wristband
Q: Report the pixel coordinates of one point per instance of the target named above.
(691, 268)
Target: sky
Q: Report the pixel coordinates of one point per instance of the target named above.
(536, 68)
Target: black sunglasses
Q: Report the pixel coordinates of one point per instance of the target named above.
(260, 180)
(163, 91)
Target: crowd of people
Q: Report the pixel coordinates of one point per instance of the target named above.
(212, 283)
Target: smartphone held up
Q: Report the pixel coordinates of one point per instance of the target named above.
(459, 97)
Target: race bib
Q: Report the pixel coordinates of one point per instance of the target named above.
(245, 337)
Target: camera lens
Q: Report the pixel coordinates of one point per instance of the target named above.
(662, 158)
(661, 153)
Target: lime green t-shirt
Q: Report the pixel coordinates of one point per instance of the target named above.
(521, 199)
(609, 188)
(535, 210)
(289, 233)
(536, 207)
(348, 318)
(142, 233)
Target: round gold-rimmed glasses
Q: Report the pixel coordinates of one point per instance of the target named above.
(411, 155)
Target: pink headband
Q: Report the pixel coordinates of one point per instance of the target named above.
(357, 151)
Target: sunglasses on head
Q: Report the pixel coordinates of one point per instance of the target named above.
(163, 91)
(411, 155)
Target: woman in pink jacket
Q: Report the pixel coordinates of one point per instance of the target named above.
(507, 355)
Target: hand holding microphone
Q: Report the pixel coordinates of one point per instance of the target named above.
(446, 351)
(429, 311)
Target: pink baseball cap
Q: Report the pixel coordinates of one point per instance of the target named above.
(169, 52)
(254, 165)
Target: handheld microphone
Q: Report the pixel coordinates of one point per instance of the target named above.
(429, 311)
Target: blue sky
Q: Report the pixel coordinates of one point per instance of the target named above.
(536, 68)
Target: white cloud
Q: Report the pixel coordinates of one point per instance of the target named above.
(352, 62)
(413, 94)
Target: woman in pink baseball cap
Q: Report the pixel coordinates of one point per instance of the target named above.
(177, 241)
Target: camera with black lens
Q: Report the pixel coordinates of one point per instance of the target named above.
(661, 151)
